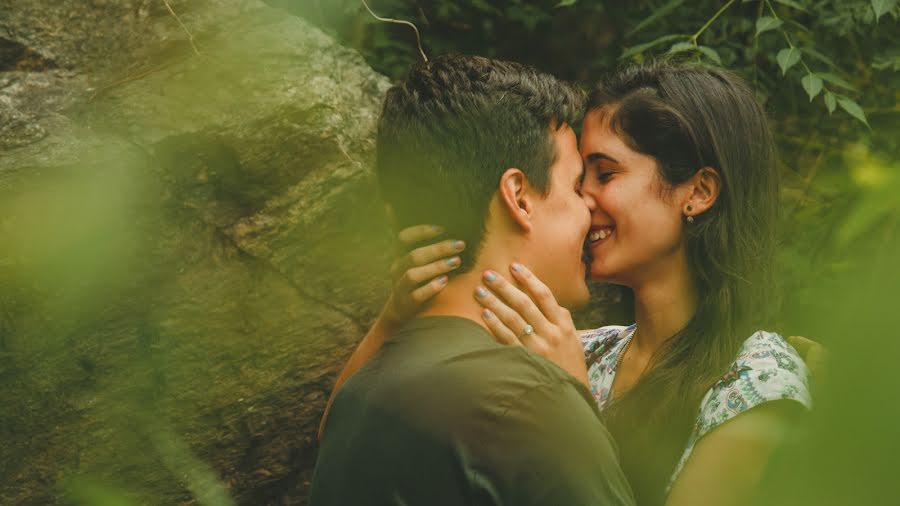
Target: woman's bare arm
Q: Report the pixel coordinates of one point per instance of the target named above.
(727, 464)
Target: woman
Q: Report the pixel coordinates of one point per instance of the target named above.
(680, 168)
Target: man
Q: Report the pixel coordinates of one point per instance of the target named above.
(443, 414)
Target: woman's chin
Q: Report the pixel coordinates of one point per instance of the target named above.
(598, 273)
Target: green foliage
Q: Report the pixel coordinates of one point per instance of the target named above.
(787, 58)
(812, 84)
(835, 41)
(766, 23)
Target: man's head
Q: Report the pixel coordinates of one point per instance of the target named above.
(459, 126)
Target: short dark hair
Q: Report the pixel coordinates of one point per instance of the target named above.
(449, 131)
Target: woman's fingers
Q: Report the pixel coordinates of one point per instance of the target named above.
(517, 300)
(432, 252)
(814, 354)
(422, 257)
(539, 292)
(501, 332)
(505, 314)
(418, 275)
(419, 233)
(429, 290)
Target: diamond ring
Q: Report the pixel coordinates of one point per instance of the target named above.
(527, 331)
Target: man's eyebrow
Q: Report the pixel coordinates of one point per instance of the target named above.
(596, 157)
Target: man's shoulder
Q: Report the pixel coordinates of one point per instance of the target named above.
(456, 370)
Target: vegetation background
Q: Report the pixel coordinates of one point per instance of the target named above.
(827, 71)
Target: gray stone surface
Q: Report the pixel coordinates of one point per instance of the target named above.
(191, 245)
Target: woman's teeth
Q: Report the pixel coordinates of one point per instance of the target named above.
(599, 234)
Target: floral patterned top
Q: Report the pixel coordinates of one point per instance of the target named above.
(766, 369)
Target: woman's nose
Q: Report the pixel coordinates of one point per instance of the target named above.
(590, 202)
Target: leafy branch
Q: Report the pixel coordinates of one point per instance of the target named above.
(813, 83)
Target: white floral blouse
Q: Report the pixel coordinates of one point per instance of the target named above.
(766, 369)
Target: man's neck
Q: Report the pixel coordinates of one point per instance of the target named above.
(458, 297)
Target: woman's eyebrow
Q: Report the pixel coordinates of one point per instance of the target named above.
(596, 157)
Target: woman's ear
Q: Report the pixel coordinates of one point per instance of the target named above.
(703, 191)
(515, 199)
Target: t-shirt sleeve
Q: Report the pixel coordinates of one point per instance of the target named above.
(553, 449)
(767, 369)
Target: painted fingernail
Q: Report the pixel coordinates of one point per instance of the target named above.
(481, 292)
(516, 267)
(442, 280)
(490, 276)
(453, 262)
(487, 314)
(459, 245)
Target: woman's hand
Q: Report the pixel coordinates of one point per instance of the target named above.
(419, 274)
(816, 357)
(510, 311)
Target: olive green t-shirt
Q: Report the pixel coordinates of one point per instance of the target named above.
(443, 415)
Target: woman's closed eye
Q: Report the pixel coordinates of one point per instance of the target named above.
(604, 176)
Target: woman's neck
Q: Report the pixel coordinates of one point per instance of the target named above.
(663, 306)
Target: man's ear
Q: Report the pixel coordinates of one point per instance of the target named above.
(515, 198)
(703, 191)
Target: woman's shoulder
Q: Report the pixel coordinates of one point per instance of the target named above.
(766, 369)
(775, 364)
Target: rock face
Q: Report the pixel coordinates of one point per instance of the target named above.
(191, 244)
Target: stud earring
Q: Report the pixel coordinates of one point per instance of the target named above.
(690, 219)
(689, 208)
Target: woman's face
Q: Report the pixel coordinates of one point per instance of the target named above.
(636, 227)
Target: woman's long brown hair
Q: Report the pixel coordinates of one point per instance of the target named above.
(689, 117)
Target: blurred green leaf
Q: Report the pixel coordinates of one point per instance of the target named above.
(787, 58)
(710, 53)
(791, 3)
(89, 492)
(874, 205)
(853, 109)
(812, 84)
(835, 80)
(566, 3)
(640, 48)
(657, 14)
(819, 56)
(681, 47)
(830, 102)
(887, 62)
(882, 7)
(767, 23)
